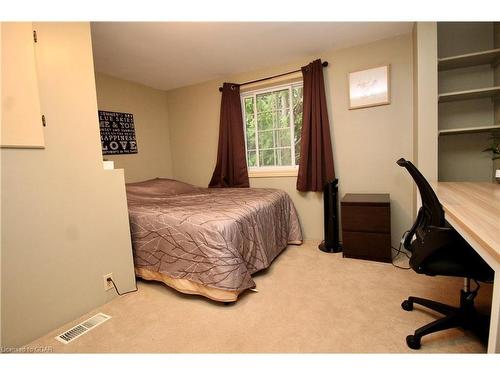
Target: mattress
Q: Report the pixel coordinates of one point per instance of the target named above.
(208, 241)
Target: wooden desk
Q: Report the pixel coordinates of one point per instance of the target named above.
(473, 209)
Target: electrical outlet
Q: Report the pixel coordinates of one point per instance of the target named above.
(108, 284)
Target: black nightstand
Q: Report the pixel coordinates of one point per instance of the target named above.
(366, 226)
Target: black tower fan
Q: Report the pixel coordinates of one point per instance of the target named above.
(331, 243)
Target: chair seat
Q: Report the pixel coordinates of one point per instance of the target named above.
(459, 260)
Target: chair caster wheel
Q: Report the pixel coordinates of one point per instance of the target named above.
(413, 342)
(407, 305)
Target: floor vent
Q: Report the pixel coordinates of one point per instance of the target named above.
(82, 328)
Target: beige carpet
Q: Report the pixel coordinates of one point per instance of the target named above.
(308, 301)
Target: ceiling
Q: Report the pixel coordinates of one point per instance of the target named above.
(166, 55)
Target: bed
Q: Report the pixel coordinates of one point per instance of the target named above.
(208, 241)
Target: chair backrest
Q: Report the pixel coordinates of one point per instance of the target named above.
(433, 213)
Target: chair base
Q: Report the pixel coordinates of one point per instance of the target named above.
(465, 316)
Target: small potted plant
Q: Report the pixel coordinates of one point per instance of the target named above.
(495, 153)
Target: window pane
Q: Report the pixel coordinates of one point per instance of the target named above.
(249, 105)
(250, 123)
(297, 102)
(266, 102)
(283, 118)
(296, 95)
(284, 156)
(282, 138)
(252, 158)
(297, 153)
(249, 120)
(266, 120)
(282, 99)
(250, 137)
(297, 137)
(267, 158)
(266, 139)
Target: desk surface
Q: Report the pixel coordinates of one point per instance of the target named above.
(476, 206)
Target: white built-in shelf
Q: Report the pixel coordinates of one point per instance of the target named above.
(476, 129)
(487, 92)
(491, 57)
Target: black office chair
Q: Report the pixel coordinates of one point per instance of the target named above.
(438, 249)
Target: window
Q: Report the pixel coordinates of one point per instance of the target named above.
(273, 124)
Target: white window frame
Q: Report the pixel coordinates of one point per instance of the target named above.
(270, 171)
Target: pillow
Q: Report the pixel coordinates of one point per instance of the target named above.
(158, 188)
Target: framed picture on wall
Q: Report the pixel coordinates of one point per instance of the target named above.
(370, 87)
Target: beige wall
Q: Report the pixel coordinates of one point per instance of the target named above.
(149, 108)
(425, 99)
(425, 106)
(366, 142)
(21, 116)
(64, 218)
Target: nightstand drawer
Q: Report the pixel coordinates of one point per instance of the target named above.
(374, 246)
(366, 219)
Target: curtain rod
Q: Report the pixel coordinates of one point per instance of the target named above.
(324, 63)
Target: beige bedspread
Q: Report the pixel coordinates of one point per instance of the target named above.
(214, 237)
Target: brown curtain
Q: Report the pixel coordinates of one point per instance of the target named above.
(316, 158)
(231, 168)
